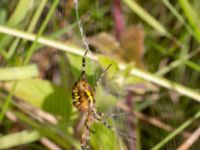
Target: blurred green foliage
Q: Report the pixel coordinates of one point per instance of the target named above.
(171, 52)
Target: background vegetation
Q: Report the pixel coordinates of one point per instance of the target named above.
(151, 92)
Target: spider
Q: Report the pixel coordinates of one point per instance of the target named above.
(83, 99)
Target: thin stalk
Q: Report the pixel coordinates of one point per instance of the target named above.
(177, 63)
(7, 102)
(146, 17)
(185, 91)
(42, 28)
(176, 132)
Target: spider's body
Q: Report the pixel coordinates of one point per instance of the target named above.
(83, 96)
(83, 100)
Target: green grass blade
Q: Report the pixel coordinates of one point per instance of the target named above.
(176, 132)
(178, 16)
(3, 16)
(183, 90)
(192, 65)
(45, 41)
(179, 62)
(12, 48)
(37, 15)
(41, 30)
(16, 18)
(30, 52)
(17, 73)
(30, 28)
(7, 101)
(19, 15)
(146, 17)
(19, 138)
(192, 17)
(191, 93)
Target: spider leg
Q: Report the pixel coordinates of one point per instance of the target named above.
(82, 76)
(86, 146)
(88, 128)
(85, 139)
(101, 118)
(106, 116)
(102, 74)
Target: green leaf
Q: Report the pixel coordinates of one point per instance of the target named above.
(43, 94)
(104, 138)
(17, 73)
(18, 15)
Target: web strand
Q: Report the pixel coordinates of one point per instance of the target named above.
(81, 28)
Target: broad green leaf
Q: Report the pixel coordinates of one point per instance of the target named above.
(17, 73)
(18, 15)
(43, 94)
(19, 138)
(105, 138)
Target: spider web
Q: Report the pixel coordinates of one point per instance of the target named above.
(106, 102)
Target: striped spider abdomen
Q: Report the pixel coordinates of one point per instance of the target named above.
(83, 95)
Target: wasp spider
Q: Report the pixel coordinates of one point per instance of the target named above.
(84, 100)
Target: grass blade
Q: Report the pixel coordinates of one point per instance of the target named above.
(17, 73)
(192, 17)
(176, 132)
(146, 17)
(18, 138)
(191, 93)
